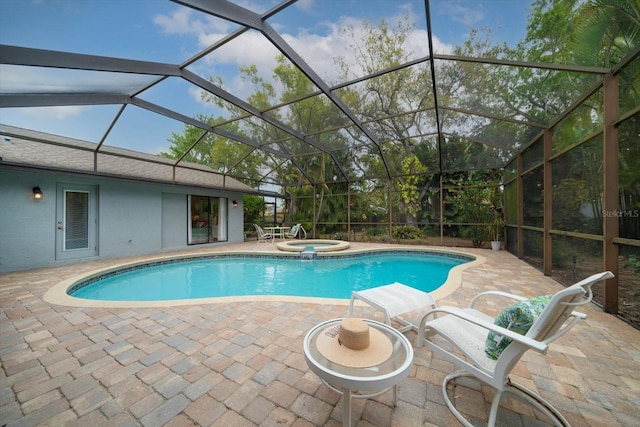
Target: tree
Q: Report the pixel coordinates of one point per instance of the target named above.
(253, 209)
(389, 96)
(408, 186)
(474, 205)
(607, 31)
(219, 153)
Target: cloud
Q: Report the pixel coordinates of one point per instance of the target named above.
(186, 21)
(176, 23)
(319, 51)
(460, 12)
(318, 47)
(55, 113)
(20, 79)
(304, 4)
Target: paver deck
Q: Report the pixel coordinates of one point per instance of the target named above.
(241, 363)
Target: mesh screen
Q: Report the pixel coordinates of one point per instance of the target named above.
(577, 189)
(583, 122)
(574, 259)
(533, 155)
(533, 248)
(629, 182)
(629, 83)
(511, 202)
(629, 282)
(533, 198)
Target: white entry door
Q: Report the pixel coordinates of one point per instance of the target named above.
(76, 221)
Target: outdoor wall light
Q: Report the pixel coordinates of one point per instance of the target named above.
(37, 193)
(234, 204)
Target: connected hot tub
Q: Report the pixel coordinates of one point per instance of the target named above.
(318, 245)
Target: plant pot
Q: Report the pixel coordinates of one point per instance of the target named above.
(495, 245)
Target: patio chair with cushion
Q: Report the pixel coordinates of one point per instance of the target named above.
(262, 235)
(488, 348)
(297, 232)
(293, 232)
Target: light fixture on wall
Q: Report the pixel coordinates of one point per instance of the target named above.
(37, 193)
(234, 204)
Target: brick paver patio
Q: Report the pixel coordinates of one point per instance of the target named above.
(241, 363)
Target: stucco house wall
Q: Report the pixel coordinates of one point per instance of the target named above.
(132, 218)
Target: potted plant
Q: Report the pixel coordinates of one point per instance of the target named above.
(495, 229)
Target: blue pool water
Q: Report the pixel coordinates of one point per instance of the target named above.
(239, 276)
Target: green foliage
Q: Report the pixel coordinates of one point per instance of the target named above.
(475, 233)
(563, 252)
(589, 32)
(253, 209)
(341, 236)
(633, 261)
(219, 153)
(497, 224)
(390, 95)
(569, 196)
(472, 203)
(374, 231)
(406, 232)
(629, 175)
(407, 186)
(511, 203)
(534, 244)
(606, 31)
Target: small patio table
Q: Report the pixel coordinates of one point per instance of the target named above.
(375, 379)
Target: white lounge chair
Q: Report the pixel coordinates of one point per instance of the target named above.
(476, 335)
(262, 236)
(396, 301)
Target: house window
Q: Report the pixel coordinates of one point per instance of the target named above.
(207, 219)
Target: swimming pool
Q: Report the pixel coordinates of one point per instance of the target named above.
(237, 275)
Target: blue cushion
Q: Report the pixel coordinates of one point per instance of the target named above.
(517, 318)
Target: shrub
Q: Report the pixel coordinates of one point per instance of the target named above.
(406, 232)
(340, 236)
(373, 231)
(634, 262)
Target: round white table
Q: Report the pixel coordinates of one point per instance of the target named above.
(375, 379)
(278, 231)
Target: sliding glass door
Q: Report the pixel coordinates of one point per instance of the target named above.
(207, 220)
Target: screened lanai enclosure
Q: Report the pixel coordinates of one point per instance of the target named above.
(368, 120)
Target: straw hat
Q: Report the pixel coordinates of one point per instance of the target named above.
(353, 343)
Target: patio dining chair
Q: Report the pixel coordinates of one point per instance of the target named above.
(297, 231)
(293, 232)
(262, 235)
(487, 349)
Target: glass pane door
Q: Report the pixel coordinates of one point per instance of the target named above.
(200, 221)
(76, 221)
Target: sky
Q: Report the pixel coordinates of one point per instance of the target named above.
(163, 31)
